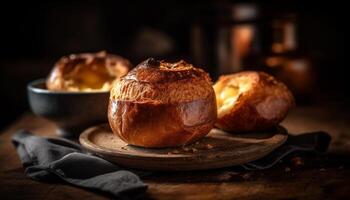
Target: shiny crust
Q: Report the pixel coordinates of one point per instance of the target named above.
(263, 105)
(87, 71)
(160, 104)
(158, 81)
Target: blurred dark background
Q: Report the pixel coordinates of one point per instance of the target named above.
(302, 43)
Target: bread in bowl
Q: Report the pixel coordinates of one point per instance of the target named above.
(160, 104)
(251, 101)
(87, 72)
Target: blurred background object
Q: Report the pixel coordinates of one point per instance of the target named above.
(302, 43)
(228, 38)
(252, 36)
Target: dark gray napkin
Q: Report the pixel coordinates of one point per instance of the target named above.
(54, 159)
(313, 142)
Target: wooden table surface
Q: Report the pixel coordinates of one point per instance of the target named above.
(320, 177)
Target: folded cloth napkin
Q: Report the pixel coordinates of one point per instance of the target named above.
(52, 159)
(313, 142)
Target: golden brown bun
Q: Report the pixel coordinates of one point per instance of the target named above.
(160, 104)
(251, 101)
(87, 72)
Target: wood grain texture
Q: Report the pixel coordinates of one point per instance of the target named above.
(320, 177)
(218, 149)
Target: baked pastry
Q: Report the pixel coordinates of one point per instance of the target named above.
(161, 104)
(251, 101)
(87, 72)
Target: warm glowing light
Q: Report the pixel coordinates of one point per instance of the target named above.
(274, 61)
(242, 39)
(277, 47)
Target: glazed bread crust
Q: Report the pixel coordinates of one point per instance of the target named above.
(157, 81)
(161, 104)
(87, 72)
(261, 102)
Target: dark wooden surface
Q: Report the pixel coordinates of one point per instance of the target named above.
(320, 177)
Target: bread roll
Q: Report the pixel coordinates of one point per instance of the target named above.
(251, 101)
(87, 72)
(160, 104)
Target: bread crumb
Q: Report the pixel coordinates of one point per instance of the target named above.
(246, 176)
(175, 151)
(228, 176)
(186, 148)
(297, 161)
(124, 148)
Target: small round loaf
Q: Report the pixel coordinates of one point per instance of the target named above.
(87, 72)
(251, 101)
(160, 104)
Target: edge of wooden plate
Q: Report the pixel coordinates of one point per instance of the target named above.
(182, 162)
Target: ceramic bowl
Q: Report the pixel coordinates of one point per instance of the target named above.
(71, 111)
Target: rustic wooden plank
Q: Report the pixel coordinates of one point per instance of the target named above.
(321, 177)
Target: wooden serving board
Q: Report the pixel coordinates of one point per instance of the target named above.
(218, 149)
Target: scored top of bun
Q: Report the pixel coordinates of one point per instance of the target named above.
(87, 71)
(163, 82)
